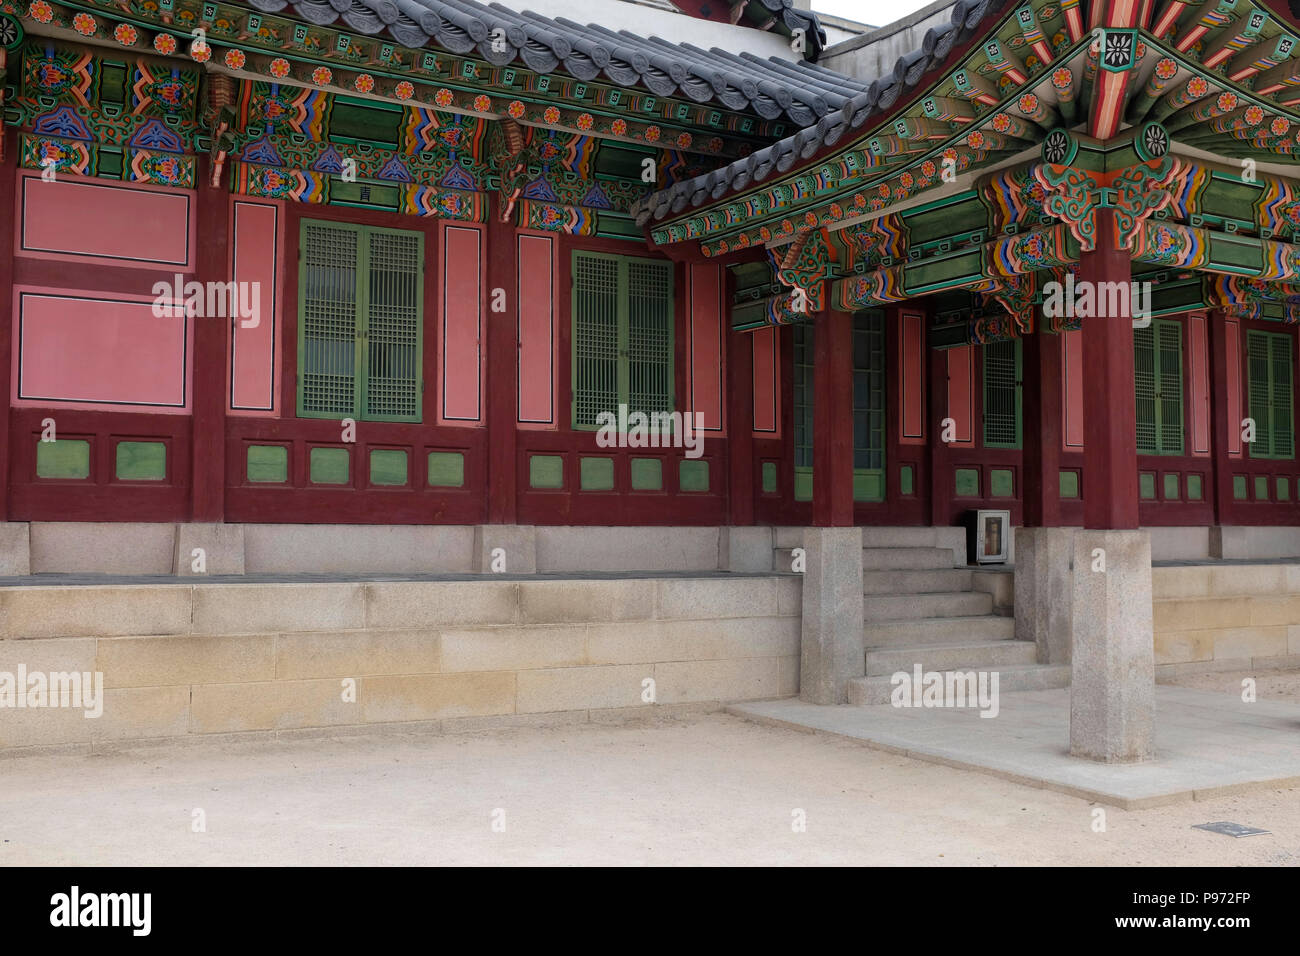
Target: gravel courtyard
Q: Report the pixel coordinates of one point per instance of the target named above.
(698, 789)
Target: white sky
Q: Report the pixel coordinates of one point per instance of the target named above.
(876, 12)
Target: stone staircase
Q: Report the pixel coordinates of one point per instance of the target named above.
(920, 609)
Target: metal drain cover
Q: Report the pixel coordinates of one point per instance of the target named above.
(1228, 829)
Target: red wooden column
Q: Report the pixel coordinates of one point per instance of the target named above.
(1110, 416)
(8, 213)
(502, 356)
(211, 347)
(938, 455)
(1042, 408)
(1221, 408)
(833, 420)
(740, 425)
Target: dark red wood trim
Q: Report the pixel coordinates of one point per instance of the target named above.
(211, 335)
(502, 356)
(833, 420)
(1041, 404)
(8, 206)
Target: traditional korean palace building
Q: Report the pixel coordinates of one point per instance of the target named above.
(390, 263)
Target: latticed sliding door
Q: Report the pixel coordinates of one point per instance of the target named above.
(868, 408)
(622, 336)
(1002, 394)
(1158, 387)
(1269, 366)
(360, 324)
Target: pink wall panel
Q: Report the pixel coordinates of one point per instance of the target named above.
(961, 395)
(767, 384)
(1232, 344)
(1200, 383)
(253, 358)
(911, 360)
(536, 331)
(84, 349)
(1072, 390)
(462, 316)
(706, 359)
(107, 223)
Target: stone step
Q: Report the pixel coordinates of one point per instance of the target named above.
(906, 559)
(938, 630)
(909, 607)
(869, 691)
(978, 655)
(916, 582)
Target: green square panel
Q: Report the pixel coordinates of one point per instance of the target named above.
(1002, 483)
(868, 486)
(906, 480)
(769, 477)
(268, 463)
(329, 466)
(966, 483)
(647, 474)
(1171, 486)
(1147, 484)
(141, 461)
(446, 469)
(693, 474)
(545, 471)
(1283, 488)
(387, 466)
(803, 484)
(1261, 487)
(1069, 484)
(1239, 487)
(596, 474)
(1195, 488)
(65, 458)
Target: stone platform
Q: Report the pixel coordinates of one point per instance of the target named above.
(1207, 744)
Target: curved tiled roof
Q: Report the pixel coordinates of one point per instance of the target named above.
(769, 88)
(848, 113)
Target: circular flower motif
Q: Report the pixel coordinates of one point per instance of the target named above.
(515, 109)
(1028, 104)
(586, 121)
(165, 44)
(714, 145)
(1197, 86)
(809, 219)
(1062, 78)
(552, 114)
(125, 34)
(1279, 126)
(1166, 68)
(883, 189)
(1254, 115)
(976, 140)
(363, 83)
(906, 180)
(684, 140)
(201, 52)
(652, 134)
(41, 12)
(859, 200)
(764, 233)
(1001, 123)
(322, 75)
(85, 24)
(482, 103)
(618, 127)
(235, 59)
(444, 97)
(279, 68)
(927, 168)
(1226, 102)
(404, 90)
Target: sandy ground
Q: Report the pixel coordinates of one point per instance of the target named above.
(702, 789)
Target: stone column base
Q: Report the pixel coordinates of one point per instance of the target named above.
(15, 548)
(517, 544)
(1044, 591)
(831, 652)
(1112, 665)
(745, 548)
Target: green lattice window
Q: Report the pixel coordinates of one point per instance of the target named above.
(1269, 371)
(622, 336)
(1002, 394)
(360, 328)
(1158, 381)
(868, 408)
